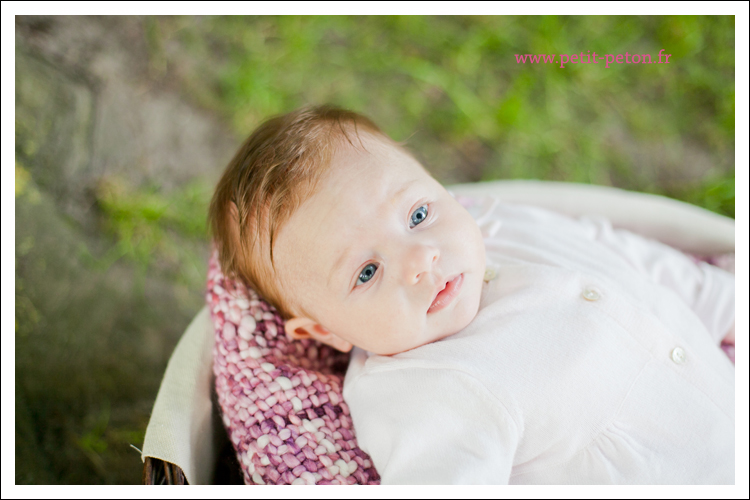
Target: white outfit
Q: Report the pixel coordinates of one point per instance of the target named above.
(593, 358)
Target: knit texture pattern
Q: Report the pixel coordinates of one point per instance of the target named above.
(281, 400)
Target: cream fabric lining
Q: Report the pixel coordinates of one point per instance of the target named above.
(180, 430)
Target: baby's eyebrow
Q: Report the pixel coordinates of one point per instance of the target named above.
(398, 194)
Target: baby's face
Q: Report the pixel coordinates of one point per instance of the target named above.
(381, 255)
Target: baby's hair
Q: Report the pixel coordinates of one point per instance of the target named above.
(271, 175)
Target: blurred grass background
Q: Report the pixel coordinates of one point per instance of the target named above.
(451, 86)
(135, 239)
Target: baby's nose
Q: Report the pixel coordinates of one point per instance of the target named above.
(419, 260)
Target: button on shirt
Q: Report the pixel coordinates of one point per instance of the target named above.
(593, 358)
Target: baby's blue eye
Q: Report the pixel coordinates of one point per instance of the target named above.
(367, 273)
(418, 216)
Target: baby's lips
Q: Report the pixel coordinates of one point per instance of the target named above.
(447, 294)
(435, 295)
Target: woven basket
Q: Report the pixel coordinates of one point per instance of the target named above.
(226, 470)
(157, 472)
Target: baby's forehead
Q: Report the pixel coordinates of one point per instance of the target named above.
(382, 166)
(362, 185)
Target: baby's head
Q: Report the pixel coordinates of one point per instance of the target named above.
(346, 234)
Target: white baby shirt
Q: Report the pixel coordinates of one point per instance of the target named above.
(593, 358)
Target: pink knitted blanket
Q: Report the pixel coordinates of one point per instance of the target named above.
(280, 400)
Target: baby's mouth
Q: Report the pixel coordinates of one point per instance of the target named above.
(447, 294)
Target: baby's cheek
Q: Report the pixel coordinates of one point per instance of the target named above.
(362, 326)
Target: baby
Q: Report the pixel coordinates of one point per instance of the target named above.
(506, 345)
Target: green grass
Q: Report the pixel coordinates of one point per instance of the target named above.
(147, 224)
(452, 87)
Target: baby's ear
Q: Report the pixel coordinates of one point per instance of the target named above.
(305, 328)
